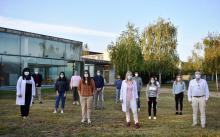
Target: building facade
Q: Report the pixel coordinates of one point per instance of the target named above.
(51, 55)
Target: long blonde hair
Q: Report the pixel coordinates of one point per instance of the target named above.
(126, 76)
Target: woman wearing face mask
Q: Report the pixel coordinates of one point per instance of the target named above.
(61, 87)
(86, 91)
(128, 98)
(179, 88)
(152, 95)
(25, 92)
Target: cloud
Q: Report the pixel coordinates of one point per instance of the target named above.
(37, 27)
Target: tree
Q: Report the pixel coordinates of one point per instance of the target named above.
(125, 53)
(212, 54)
(159, 42)
(85, 50)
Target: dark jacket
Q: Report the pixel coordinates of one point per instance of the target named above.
(118, 83)
(37, 79)
(99, 81)
(61, 85)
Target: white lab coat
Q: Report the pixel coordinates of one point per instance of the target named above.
(123, 96)
(21, 84)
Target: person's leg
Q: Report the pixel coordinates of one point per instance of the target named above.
(63, 99)
(96, 99)
(135, 114)
(101, 100)
(155, 106)
(176, 102)
(83, 107)
(22, 109)
(39, 94)
(195, 109)
(116, 96)
(57, 102)
(181, 102)
(202, 105)
(138, 101)
(77, 95)
(89, 108)
(149, 106)
(27, 109)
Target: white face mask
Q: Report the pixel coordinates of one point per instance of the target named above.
(26, 73)
(198, 76)
(36, 72)
(152, 81)
(178, 79)
(86, 75)
(136, 75)
(98, 73)
(61, 75)
(129, 77)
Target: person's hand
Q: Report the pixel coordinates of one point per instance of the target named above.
(36, 84)
(206, 102)
(64, 95)
(19, 95)
(57, 93)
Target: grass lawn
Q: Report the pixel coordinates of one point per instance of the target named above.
(108, 122)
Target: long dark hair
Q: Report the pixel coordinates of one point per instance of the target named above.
(88, 79)
(26, 77)
(64, 77)
(155, 82)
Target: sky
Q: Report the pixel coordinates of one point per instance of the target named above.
(99, 22)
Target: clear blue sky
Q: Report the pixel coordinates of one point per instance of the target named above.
(98, 22)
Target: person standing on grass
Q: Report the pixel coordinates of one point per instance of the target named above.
(152, 95)
(38, 79)
(86, 92)
(129, 97)
(118, 83)
(74, 83)
(179, 88)
(99, 83)
(139, 85)
(61, 88)
(198, 95)
(25, 91)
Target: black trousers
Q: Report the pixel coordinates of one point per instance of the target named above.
(138, 100)
(179, 101)
(152, 100)
(75, 94)
(28, 95)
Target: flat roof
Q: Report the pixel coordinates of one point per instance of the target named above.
(36, 35)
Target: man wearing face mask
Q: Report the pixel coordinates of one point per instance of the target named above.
(99, 83)
(25, 92)
(139, 83)
(38, 79)
(198, 94)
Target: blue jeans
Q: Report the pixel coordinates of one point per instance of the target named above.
(117, 95)
(60, 96)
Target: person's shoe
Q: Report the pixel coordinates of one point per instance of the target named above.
(155, 118)
(55, 112)
(24, 117)
(40, 102)
(193, 125)
(139, 109)
(128, 124)
(137, 126)
(74, 103)
(89, 122)
(83, 120)
(203, 126)
(77, 103)
(149, 117)
(33, 102)
(61, 112)
(180, 113)
(177, 113)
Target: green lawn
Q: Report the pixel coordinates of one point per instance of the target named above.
(109, 122)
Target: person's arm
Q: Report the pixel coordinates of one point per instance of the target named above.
(173, 90)
(184, 87)
(206, 91)
(80, 87)
(93, 86)
(18, 87)
(141, 82)
(121, 91)
(135, 89)
(103, 83)
(33, 87)
(71, 81)
(147, 89)
(56, 87)
(190, 92)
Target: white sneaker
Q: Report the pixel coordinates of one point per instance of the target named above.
(89, 121)
(83, 120)
(77, 103)
(149, 117)
(55, 112)
(139, 109)
(61, 112)
(155, 118)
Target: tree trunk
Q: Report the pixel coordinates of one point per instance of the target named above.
(212, 76)
(160, 77)
(216, 79)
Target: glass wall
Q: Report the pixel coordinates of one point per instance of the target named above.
(9, 43)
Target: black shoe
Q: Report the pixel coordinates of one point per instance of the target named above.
(180, 113)
(177, 113)
(40, 102)
(32, 102)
